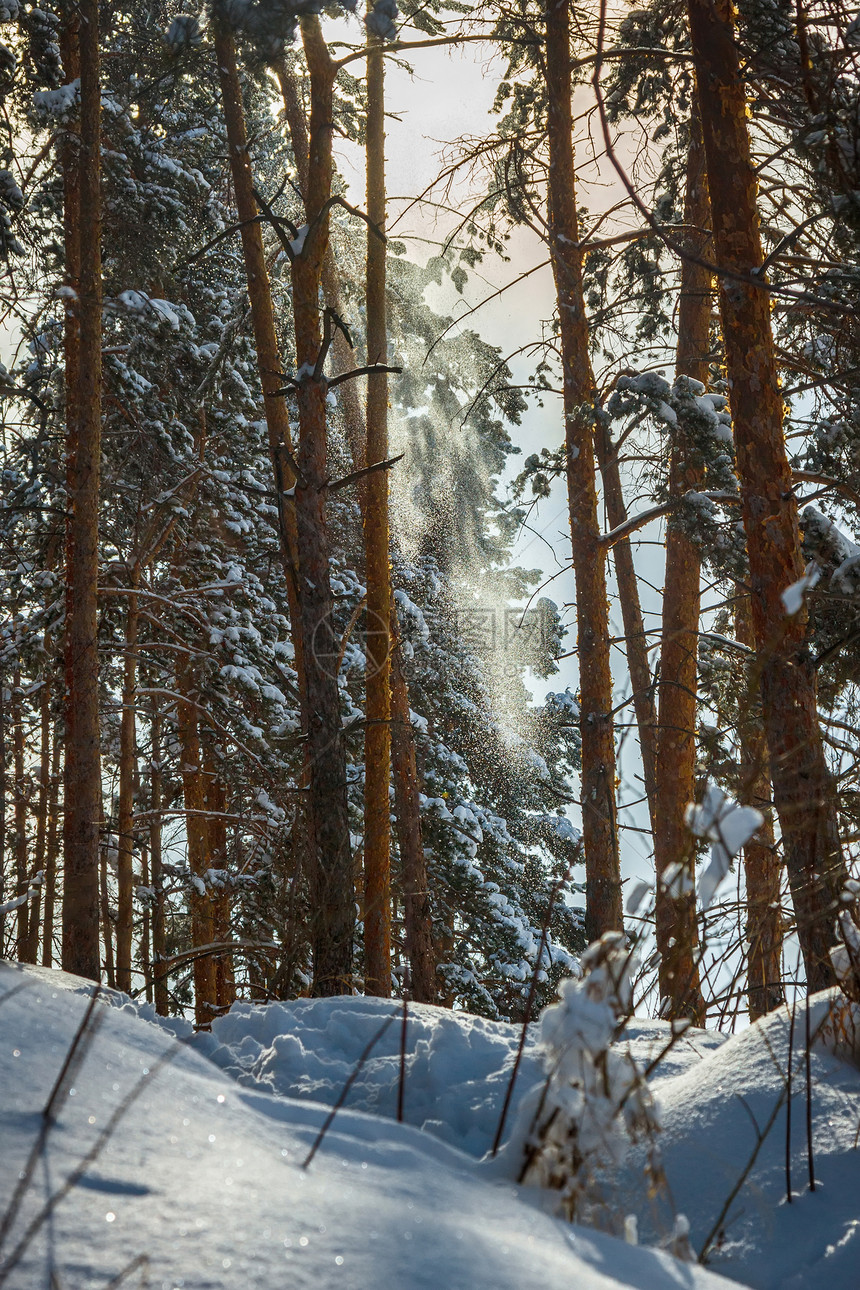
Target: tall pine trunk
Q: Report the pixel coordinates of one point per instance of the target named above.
(603, 909)
(803, 790)
(303, 528)
(215, 800)
(159, 932)
(82, 779)
(127, 775)
(22, 884)
(761, 865)
(333, 884)
(52, 850)
(199, 895)
(342, 359)
(42, 807)
(377, 737)
(413, 863)
(636, 642)
(676, 924)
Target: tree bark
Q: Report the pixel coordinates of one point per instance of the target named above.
(334, 891)
(215, 798)
(417, 917)
(4, 785)
(676, 923)
(311, 603)
(603, 910)
(199, 896)
(22, 884)
(146, 930)
(342, 358)
(125, 813)
(263, 323)
(52, 851)
(803, 790)
(82, 780)
(42, 809)
(159, 938)
(636, 642)
(377, 735)
(106, 919)
(761, 865)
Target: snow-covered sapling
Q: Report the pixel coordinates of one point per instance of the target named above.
(595, 1100)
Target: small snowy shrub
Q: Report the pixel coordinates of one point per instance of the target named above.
(594, 1100)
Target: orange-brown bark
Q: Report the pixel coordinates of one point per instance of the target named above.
(761, 863)
(342, 359)
(417, 918)
(377, 737)
(125, 808)
(334, 898)
(199, 895)
(635, 640)
(603, 910)
(82, 779)
(303, 524)
(159, 936)
(676, 925)
(22, 885)
(52, 851)
(262, 320)
(42, 811)
(803, 791)
(215, 799)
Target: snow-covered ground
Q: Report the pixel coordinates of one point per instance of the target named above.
(199, 1182)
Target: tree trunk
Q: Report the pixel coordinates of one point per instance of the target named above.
(342, 359)
(22, 884)
(52, 851)
(199, 897)
(159, 938)
(216, 807)
(106, 919)
(761, 865)
(82, 781)
(127, 774)
(603, 911)
(146, 928)
(416, 888)
(334, 893)
(803, 790)
(311, 602)
(42, 809)
(4, 786)
(377, 735)
(636, 642)
(676, 924)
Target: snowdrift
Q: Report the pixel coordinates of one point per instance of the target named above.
(182, 1178)
(713, 1116)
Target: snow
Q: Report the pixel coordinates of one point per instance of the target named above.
(191, 1180)
(709, 1136)
(792, 597)
(728, 827)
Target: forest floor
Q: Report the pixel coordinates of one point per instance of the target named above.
(176, 1162)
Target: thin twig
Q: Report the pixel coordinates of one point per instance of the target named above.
(402, 1081)
(354, 1073)
(89, 1159)
(544, 936)
(67, 1072)
(788, 1108)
